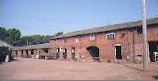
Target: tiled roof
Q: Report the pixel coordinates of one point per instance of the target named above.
(4, 44)
(124, 25)
(38, 46)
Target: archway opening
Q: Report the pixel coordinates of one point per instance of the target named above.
(94, 51)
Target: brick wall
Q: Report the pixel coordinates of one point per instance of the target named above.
(129, 39)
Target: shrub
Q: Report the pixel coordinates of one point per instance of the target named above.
(3, 52)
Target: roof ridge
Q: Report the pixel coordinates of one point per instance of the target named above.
(108, 27)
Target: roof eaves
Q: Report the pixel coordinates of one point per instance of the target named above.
(124, 25)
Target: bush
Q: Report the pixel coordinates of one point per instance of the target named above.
(3, 52)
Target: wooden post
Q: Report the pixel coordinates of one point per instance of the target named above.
(145, 45)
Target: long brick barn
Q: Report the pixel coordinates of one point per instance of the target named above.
(110, 43)
(31, 51)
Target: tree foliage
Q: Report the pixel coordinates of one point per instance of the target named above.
(13, 37)
(33, 39)
(2, 33)
(10, 36)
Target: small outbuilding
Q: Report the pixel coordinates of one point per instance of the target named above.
(31, 51)
(5, 51)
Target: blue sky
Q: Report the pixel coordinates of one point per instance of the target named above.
(50, 16)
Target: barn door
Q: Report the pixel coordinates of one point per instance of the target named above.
(118, 52)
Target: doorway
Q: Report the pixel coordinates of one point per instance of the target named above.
(73, 53)
(94, 51)
(32, 51)
(65, 53)
(27, 55)
(16, 53)
(57, 53)
(153, 47)
(118, 52)
(22, 53)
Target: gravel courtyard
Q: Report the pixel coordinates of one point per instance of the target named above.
(38, 69)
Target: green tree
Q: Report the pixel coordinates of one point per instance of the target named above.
(13, 36)
(2, 33)
(58, 33)
(35, 39)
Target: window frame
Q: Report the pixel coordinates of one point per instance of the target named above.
(92, 36)
(77, 39)
(111, 33)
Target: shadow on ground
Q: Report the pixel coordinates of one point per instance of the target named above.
(15, 60)
(155, 77)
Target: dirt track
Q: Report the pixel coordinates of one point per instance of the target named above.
(38, 69)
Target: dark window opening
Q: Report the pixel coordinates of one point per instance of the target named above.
(139, 30)
(32, 52)
(118, 52)
(45, 50)
(94, 51)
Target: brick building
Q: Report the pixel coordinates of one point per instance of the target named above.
(30, 51)
(122, 41)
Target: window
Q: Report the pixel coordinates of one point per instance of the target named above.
(110, 35)
(45, 50)
(77, 39)
(92, 36)
(139, 30)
